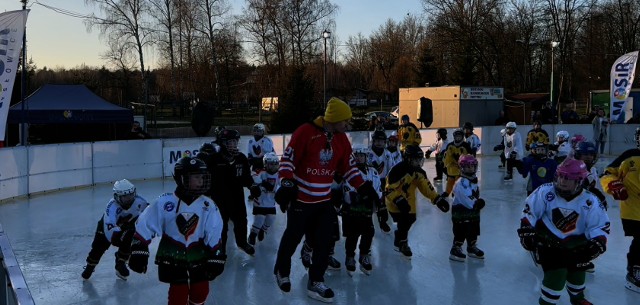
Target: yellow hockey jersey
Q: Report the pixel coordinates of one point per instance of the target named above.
(627, 169)
(409, 135)
(402, 181)
(451, 155)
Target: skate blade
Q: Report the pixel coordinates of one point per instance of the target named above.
(350, 273)
(314, 295)
(365, 271)
(632, 287)
(333, 268)
(456, 259)
(122, 277)
(475, 256)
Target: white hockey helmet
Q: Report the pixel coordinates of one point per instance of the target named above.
(124, 192)
(562, 134)
(258, 129)
(271, 162)
(360, 150)
(511, 125)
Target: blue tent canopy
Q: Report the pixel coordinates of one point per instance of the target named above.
(67, 104)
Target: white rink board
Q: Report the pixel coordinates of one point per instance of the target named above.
(57, 166)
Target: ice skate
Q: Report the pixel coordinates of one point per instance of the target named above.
(582, 301)
(319, 291)
(121, 269)
(88, 271)
(247, 248)
(590, 268)
(252, 238)
(456, 254)
(350, 264)
(403, 247)
(333, 263)
(385, 227)
(508, 177)
(261, 234)
(305, 256)
(633, 279)
(437, 180)
(283, 282)
(365, 264)
(474, 252)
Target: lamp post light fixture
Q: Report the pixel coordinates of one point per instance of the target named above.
(325, 35)
(554, 44)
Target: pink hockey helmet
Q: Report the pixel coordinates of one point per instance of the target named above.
(468, 164)
(575, 140)
(569, 177)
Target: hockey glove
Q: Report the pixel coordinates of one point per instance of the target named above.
(527, 236)
(116, 238)
(267, 186)
(383, 217)
(255, 191)
(402, 204)
(139, 256)
(594, 248)
(513, 155)
(336, 198)
(427, 154)
(498, 147)
(442, 203)
(368, 195)
(479, 204)
(617, 189)
(286, 194)
(215, 265)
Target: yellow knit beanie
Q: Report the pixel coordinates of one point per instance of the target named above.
(337, 111)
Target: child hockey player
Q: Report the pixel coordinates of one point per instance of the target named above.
(264, 206)
(230, 174)
(540, 168)
(500, 148)
(400, 199)
(392, 147)
(356, 215)
(189, 226)
(561, 148)
(382, 160)
(438, 148)
(512, 149)
(116, 227)
(258, 147)
(409, 132)
(566, 228)
(452, 153)
(536, 135)
(465, 211)
(471, 138)
(622, 175)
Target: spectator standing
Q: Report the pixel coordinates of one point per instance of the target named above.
(600, 125)
(137, 133)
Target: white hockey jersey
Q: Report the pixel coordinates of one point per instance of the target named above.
(115, 216)
(269, 184)
(583, 215)
(189, 232)
(465, 192)
(474, 142)
(564, 149)
(371, 175)
(396, 156)
(513, 142)
(593, 178)
(257, 149)
(438, 146)
(382, 163)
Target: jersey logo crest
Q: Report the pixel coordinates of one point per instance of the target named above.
(378, 166)
(550, 196)
(325, 156)
(564, 219)
(187, 223)
(541, 171)
(256, 149)
(169, 206)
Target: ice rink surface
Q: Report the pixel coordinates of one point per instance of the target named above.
(51, 234)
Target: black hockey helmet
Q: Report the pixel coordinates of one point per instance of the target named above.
(379, 135)
(442, 132)
(467, 125)
(207, 148)
(414, 155)
(228, 139)
(185, 172)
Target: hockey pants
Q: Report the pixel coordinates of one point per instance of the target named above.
(354, 228)
(191, 294)
(317, 221)
(466, 225)
(101, 244)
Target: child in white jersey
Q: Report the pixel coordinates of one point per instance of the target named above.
(264, 206)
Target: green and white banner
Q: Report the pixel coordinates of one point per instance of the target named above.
(12, 26)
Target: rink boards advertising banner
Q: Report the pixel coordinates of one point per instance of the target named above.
(12, 26)
(622, 73)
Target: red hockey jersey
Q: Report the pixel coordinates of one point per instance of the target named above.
(312, 158)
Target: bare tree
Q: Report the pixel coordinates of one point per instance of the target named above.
(304, 21)
(163, 12)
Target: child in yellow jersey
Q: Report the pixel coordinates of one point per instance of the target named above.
(452, 153)
(402, 182)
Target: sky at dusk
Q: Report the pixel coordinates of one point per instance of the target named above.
(56, 40)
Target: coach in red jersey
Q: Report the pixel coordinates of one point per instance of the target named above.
(317, 150)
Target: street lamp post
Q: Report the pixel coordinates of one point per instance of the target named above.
(554, 44)
(325, 35)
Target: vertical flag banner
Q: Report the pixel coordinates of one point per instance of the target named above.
(12, 26)
(622, 73)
